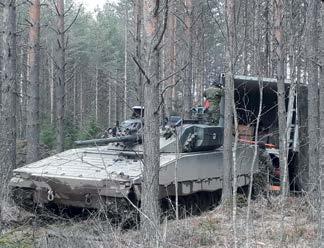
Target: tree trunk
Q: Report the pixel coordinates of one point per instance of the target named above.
(139, 77)
(229, 99)
(313, 100)
(116, 98)
(281, 94)
(125, 103)
(52, 87)
(188, 84)
(150, 185)
(60, 77)
(81, 100)
(23, 90)
(268, 41)
(8, 93)
(321, 156)
(1, 41)
(171, 63)
(75, 82)
(33, 127)
(97, 94)
(245, 42)
(110, 105)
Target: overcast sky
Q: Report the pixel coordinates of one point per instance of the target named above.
(92, 4)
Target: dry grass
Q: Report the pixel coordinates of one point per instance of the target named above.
(212, 229)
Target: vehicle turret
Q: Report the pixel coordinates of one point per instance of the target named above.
(192, 138)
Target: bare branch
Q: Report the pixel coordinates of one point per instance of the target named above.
(141, 69)
(56, 8)
(31, 24)
(162, 95)
(178, 18)
(74, 20)
(165, 23)
(171, 75)
(69, 9)
(216, 21)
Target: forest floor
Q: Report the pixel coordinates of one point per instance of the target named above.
(272, 225)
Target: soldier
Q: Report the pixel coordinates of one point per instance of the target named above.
(115, 129)
(266, 171)
(213, 97)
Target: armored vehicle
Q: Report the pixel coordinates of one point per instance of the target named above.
(105, 172)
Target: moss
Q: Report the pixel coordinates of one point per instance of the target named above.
(16, 240)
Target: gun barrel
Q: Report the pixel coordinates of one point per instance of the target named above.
(128, 138)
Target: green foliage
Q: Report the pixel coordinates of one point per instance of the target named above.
(70, 133)
(47, 135)
(90, 131)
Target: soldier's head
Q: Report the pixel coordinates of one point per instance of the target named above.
(261, 145)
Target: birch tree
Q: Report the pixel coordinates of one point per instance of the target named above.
(33, 128)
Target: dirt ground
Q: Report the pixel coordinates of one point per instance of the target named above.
(272, 224)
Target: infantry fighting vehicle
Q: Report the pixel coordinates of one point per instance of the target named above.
(109, 172)
(103, 176)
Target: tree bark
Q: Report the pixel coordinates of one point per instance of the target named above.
(268, 41)
(23, 89)
(313, 99)
(110, 105)
(150, 186)
(33, 126)
(279, 37)
(321, 156)
(139, 27)
(52, 87)
(8, 93)
(60, 78)
(81, 100)
(188, 84)
(75, 82)
(171, 63)
(97, 94)
(229, 99)
(245, 42)
(125, 103)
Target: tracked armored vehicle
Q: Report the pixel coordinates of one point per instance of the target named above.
(109, 173)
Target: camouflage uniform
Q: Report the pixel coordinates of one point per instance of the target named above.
(266, 170)
(214, 95)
